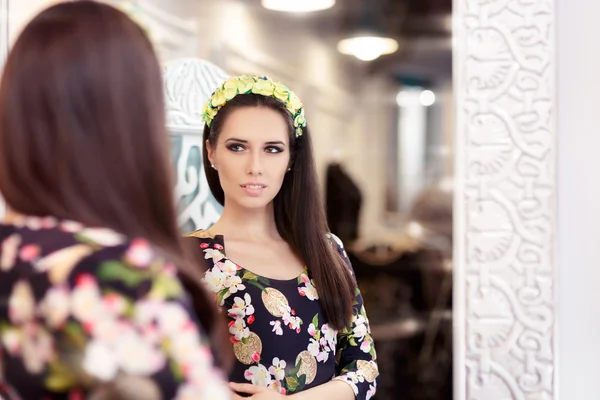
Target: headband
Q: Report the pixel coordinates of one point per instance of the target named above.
(263, 86)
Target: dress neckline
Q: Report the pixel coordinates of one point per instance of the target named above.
(220, 239)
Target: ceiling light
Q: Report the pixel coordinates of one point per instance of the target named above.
(368, 47)
(298, 5)
(427, 98)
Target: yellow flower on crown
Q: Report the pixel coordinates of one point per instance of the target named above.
(257, 85)
(293, 103)
(281, 92)
(263, 87)
(230, 88)
(245, 83)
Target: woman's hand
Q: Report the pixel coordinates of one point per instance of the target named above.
(256, 392)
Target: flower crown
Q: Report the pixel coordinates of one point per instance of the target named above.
(263, 86)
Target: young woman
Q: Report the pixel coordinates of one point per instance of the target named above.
(296, 317)
(92, 300)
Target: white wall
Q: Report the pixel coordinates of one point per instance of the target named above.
(579, 199)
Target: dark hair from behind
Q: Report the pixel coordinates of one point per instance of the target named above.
(299, 211)
(83, 134)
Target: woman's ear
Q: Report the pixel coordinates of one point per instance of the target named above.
(211, 154)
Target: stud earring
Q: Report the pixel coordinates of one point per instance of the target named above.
(213, 166)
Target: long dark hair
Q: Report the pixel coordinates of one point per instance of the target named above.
(299, 212)
(83, 134)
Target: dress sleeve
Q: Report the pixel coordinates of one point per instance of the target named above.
(356, 360)
(116, 324)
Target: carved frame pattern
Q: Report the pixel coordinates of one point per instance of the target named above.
(505, 202)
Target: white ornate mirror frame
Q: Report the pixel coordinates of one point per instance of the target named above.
(505, 201)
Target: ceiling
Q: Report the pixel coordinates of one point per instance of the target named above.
(423, 28)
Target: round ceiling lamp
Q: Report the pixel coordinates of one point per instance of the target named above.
(367, 47)
(297, 5)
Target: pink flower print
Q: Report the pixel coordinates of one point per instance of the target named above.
(115, 304)
(204, 245)
(251, 320)
(139, 254)
(218, 246)
(365, 346)
(256, 356)
(312, 330)
(29, 252)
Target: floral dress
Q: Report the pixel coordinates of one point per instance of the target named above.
(280, 338)
(89, 312)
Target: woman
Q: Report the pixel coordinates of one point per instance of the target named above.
(92, 300)
(296, 317)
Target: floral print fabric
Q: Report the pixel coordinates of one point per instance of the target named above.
(86, 309)
(278, 328)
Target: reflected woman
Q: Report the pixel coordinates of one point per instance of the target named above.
(296, 317)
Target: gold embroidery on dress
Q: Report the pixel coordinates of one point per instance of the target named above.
(368, 369)
(244, 351)
(308, 367)
(201, 234)
(275, 302)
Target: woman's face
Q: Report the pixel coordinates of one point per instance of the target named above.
(252, 155)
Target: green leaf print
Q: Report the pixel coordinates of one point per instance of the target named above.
(176, 371)
(250, 276)
(258, 285)
(315, 321)
(116, 271)
(292, 383)
(165, 287)
(294, 371)
(75, 334)
(60, 377)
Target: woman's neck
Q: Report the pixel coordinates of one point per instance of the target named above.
(242, 223)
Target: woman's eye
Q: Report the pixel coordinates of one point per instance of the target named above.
(273, 149)
(235, 147)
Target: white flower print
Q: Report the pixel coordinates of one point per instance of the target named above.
(228, 267)
(241, 307)
(56, 306)
(100, 361)
(314, 348)
(278, 369)
(278, 387)
(292, 321)
(102, 236)
(258, 375)
(365, 346)
(172, 318)
(10, 247)
(37, 348)
(216, 255)
(86, 301)
(137, 357)
(139, 254)
(21, 303)
(309, 291)
(234, 283)
(360, 327)
(12, 340)
(277, 327)
(215, 280)
(238, 329)
(371, 391)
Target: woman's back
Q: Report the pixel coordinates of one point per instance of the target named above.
(90, 311)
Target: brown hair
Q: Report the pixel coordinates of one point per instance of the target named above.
(299, 212)
(83, 134)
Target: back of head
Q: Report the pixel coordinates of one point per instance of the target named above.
(83, 134)
(82, 131)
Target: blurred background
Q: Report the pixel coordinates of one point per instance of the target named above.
(375, 77)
